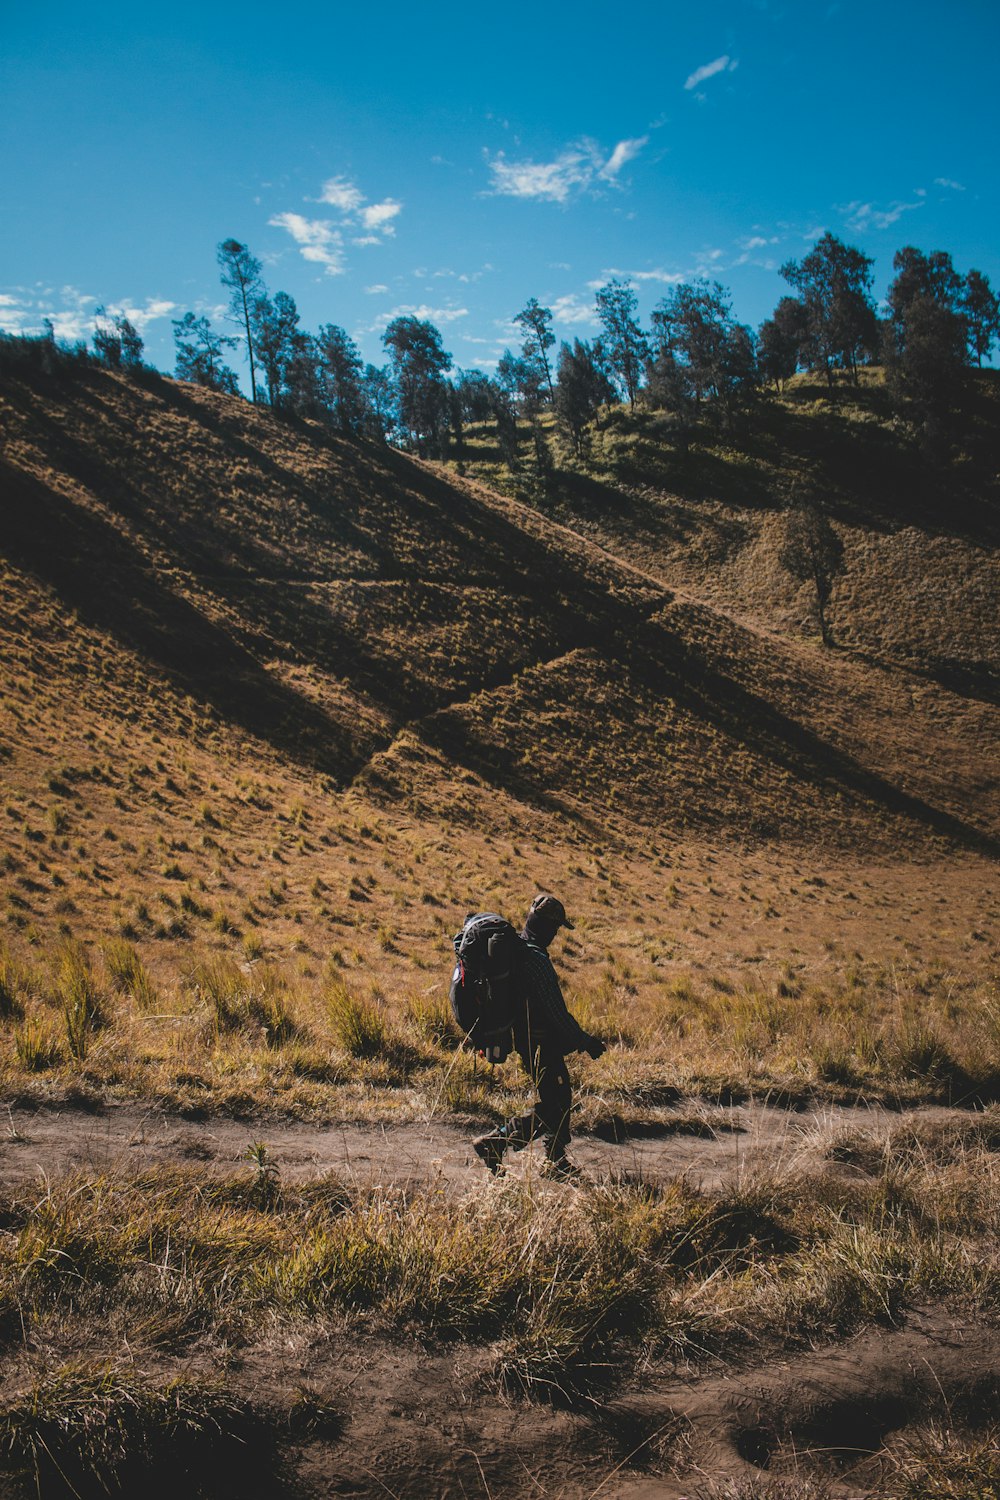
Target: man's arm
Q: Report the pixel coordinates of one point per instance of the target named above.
(547, 1008)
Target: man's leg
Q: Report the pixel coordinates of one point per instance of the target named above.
(555, 1099)
(548, 1118)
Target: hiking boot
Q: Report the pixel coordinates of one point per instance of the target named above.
(561, 1169)
(490, 1150)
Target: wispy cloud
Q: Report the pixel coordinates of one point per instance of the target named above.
(340, 193)
(318, 240)
(669, 278)
(947, 182)
(377, 290)
(863, 216)
(577, 169)
(141, 317)
(656, 274)
(549, 181)
(723, 64)
(624, 152)
(751, 247)
(377, 217)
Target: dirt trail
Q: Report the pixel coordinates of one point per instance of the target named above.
(53, 1141)
(429, 1424)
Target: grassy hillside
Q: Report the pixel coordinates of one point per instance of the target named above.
(278, 709)
(921, 582)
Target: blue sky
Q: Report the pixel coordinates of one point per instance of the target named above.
(454, 160)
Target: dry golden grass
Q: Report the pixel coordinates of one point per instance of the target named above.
(158, 859)
(276, 712)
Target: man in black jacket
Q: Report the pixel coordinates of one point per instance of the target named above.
(543, 1034)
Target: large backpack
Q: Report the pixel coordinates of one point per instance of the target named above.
(486, 988)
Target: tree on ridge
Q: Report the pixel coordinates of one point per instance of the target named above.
(539, 338)
(834, 284)
(240, 275)
(624, 341)
(198, 354)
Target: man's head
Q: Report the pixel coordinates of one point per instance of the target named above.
(546, 915)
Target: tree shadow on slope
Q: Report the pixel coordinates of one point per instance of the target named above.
(865, 468)
(654, 666)
(98, 573)
(161, 482)
(747, 717)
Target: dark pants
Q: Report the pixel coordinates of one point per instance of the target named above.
(548, 1119)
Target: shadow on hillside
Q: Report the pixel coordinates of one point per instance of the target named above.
(660, 667)
(865, 470)
(96, 571)
(634, 518)
(746, 717)
(965, 679)
(145, 475)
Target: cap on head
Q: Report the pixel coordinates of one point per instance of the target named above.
(550, 910)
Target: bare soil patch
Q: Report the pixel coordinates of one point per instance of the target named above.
(709, 1146)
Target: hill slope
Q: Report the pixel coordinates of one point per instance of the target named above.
(373, 618)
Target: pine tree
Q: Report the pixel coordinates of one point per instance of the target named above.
(624, 341)
(539, 338)
(242, 279)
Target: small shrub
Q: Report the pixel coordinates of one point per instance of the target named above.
(432, 1020)
(253, 947)
(942, 1465)
(11, 987)
(129, 975)
(93, 1432)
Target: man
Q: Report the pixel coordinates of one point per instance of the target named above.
(543, 1033)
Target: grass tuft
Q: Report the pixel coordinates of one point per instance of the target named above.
(90, 1432)
(244, 1002)
(128, 973)
(80, 1000)
(359, 1025)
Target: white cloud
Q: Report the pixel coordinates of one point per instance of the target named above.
(571, 309)
(580, 167)
(317, 239)
(751, 245)
(863, 216)
(340, 193)
(723, 64)
(379, 216)
(623, 153)
(423, 311)
(377, 289)
(551, 182)
(947, 182)
(141, 317)
(72, 318)
(322, 240)
(670, 278)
